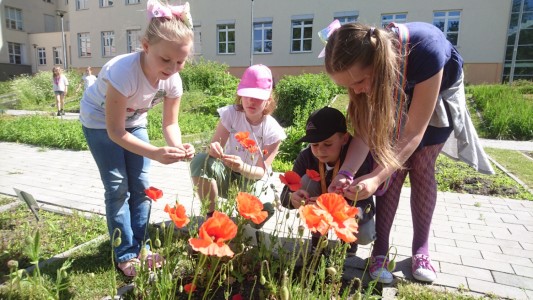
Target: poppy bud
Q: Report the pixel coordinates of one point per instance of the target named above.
(157, 243)
(367, 209)
(13, 264)
(262, 280)
(181, 288)
(324, 243)
(230, 267)
(117, 242)
(301, 229)
(284, 293)
(223, 276)
(287, 216)
(163, 226)
(64, 274)
(392, 265)
(144, 254)
(302, 203)
(331, 271)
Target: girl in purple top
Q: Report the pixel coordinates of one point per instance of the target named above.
(366, 61)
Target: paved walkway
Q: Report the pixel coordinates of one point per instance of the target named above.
(480, 243)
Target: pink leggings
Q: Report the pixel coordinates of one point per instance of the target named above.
(421, 169)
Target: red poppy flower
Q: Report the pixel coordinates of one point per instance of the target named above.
(250, 207)
(265, 151)
(153, 193)
(177, 214)
(236, 297)
(189, 288)
(342, 215)
(242, 135)
(292, 180)
(312, 174)
(212, 235)
(316, 219)
(249, 145)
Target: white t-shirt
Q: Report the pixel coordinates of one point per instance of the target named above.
(267, 133)
(60, 84)
(125, 74)
(88, 80)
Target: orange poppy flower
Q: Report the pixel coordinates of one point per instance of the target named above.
(292, 180)
(312, 174)
(177, 214)
(212, 235)
(242, 135)
(189, 288)
(251, 208)
(342, 215)
(249, 145)
(153, 193)
(316, 219)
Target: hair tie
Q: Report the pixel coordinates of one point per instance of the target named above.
(325, 33)
(157, 10)
(371, 31)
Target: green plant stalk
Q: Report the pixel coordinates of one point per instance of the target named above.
(200, 265)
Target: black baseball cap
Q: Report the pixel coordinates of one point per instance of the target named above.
(322, 124)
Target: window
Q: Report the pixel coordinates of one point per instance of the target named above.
(197, 40)
(133, 1)
(133, 41)
(15, 53)
(41, 53)
(58, 55)
(50, 23)
(106, 3)
(226, 38)
(82, 4)
(263, 37)
(108, 43)
(386, 19)
(302, 35)
(48, 1)
(84, 44)
(346, 17)
(14, 18)
(519, 55)
(448, 22)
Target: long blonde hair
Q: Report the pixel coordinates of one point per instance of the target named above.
(172, 30)
(371, 115)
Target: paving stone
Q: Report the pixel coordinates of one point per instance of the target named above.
(527, 246)
(450, 280)
(513, 280)
(524, 271)
(456, 236)
(488, 264)
(485, 233)
(506, 258)
(478, 246)
(459, 251)
(472, 272)
(517, 252)
(493, 241)
(495, 288)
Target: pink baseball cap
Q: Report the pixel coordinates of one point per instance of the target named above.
(256, 82)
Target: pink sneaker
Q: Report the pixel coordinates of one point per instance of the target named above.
(379, 269)
(422, 268)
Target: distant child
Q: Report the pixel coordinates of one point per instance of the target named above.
(113, 113)
(227, 161)
(328, 144)
(60, 84)
(87, 79)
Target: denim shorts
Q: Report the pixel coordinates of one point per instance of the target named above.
(61, 93)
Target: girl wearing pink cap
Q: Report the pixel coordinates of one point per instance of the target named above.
(227, 161)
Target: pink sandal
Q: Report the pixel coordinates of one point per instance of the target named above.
(152, 258)
(129, 267)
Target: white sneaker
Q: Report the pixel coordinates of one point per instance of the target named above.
(378, 269)
(422, 268)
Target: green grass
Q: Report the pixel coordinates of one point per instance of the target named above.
(408, 290)
(515, 162)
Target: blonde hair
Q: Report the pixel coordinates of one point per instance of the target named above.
(269, 108)
(58, 69)
(371, 115)
(172, 30)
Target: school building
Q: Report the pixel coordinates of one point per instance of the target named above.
(495, 37)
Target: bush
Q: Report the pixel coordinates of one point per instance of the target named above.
(307, 90)
(209, 77)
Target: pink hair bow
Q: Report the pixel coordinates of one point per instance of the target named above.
(325, 33)
(158, 10)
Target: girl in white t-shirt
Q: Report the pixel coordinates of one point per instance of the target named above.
(113, 113)
(60, 84)
(228, 160)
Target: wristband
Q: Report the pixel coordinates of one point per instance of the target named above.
(346, 174)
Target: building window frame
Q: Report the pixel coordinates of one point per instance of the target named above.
(106, 3)
(15, 53)
(346, 17)
(302, 35)
(82, 4)
(386, 19)
(133, 43)
(262, 37)
(197, 39)
(108, 44)
(226, 38)
(84, 44)
(57, 53)
(14, 18)
(449, 22)
(41, 55)
(132, 2)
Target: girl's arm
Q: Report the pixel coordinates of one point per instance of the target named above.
(256, 172)
(171, 127)
(356, 155)
(422, 106)
(115, 107)
(219, 140)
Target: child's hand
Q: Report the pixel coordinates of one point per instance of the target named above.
(363, 186)
(338, 184)
(298, 197)
(189, 151)
(216, 150)
(233, 162)
(168, 155)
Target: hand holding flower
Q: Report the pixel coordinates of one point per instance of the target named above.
(216, 150)
(298, 197)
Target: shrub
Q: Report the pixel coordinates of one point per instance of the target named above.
(308, 90)
(209, 77)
